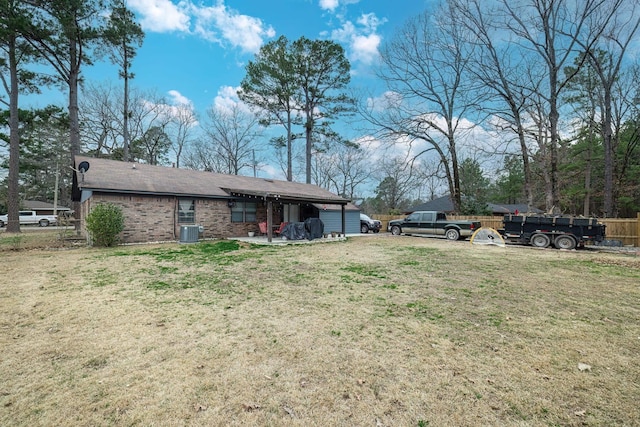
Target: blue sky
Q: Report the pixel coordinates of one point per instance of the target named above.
(195, 51)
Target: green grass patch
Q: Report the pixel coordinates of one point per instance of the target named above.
(366, 270)
(184, 253)
(159, 285)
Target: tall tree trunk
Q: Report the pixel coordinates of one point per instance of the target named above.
(609, 157)
(524, 153)
(586, 207)
(289, 149)
(125, 107)
(74, 122)
(309, 145)
(456, 196)
(74, 77)
(13, 199)
(553, 198)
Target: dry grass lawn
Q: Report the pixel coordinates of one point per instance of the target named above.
(374, 331)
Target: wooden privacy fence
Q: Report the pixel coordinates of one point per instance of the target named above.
(627, 230)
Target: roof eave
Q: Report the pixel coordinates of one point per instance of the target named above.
(295, 198)
(155, 193)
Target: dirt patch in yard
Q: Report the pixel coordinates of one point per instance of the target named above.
(377, 330)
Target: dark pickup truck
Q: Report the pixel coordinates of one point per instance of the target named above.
(433, 223)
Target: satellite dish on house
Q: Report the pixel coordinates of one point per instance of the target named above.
(83, 166)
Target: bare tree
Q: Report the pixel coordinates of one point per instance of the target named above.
(232, 138)
(498, 67)
(397, 183)
(553, 31)
(199, 156)
(425, 68)
(290, 159)
(102, 122)
(181, 127)
(429, 178)
(99, 128)
(152, 147)
(343, 169)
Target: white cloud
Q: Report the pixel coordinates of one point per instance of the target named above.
(177, 106)
(227, 99)
(217, 23)
(362, 39)
(332, 5)
(160, 15)
(223, 25)
(365, 48)
(387, 100)
(178, 98)
(269, 171)
(329, 5)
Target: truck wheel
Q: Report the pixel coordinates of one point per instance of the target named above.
(1, 224)
(452, 234)
(396, 230)
(43, 223)
(540, 240)
(565, 242)
(364, 229)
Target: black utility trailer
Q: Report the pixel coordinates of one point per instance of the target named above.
(564, 232)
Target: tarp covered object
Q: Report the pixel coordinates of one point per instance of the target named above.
(294, 231)
(315, 228)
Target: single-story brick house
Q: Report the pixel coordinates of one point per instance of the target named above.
(157, 201)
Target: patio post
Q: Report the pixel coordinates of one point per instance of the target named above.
(269, 220)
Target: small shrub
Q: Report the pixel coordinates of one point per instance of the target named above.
(104, 223)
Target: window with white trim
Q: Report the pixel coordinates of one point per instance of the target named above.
(186, 211)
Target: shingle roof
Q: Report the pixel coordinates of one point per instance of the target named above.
(35, 205)
(445, 204)
(124, 177)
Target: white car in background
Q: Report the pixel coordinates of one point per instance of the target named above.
(31, 218)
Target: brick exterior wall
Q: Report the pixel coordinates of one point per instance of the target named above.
(155, 218)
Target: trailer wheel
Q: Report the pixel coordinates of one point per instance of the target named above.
(565, 241)
(540, 240)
